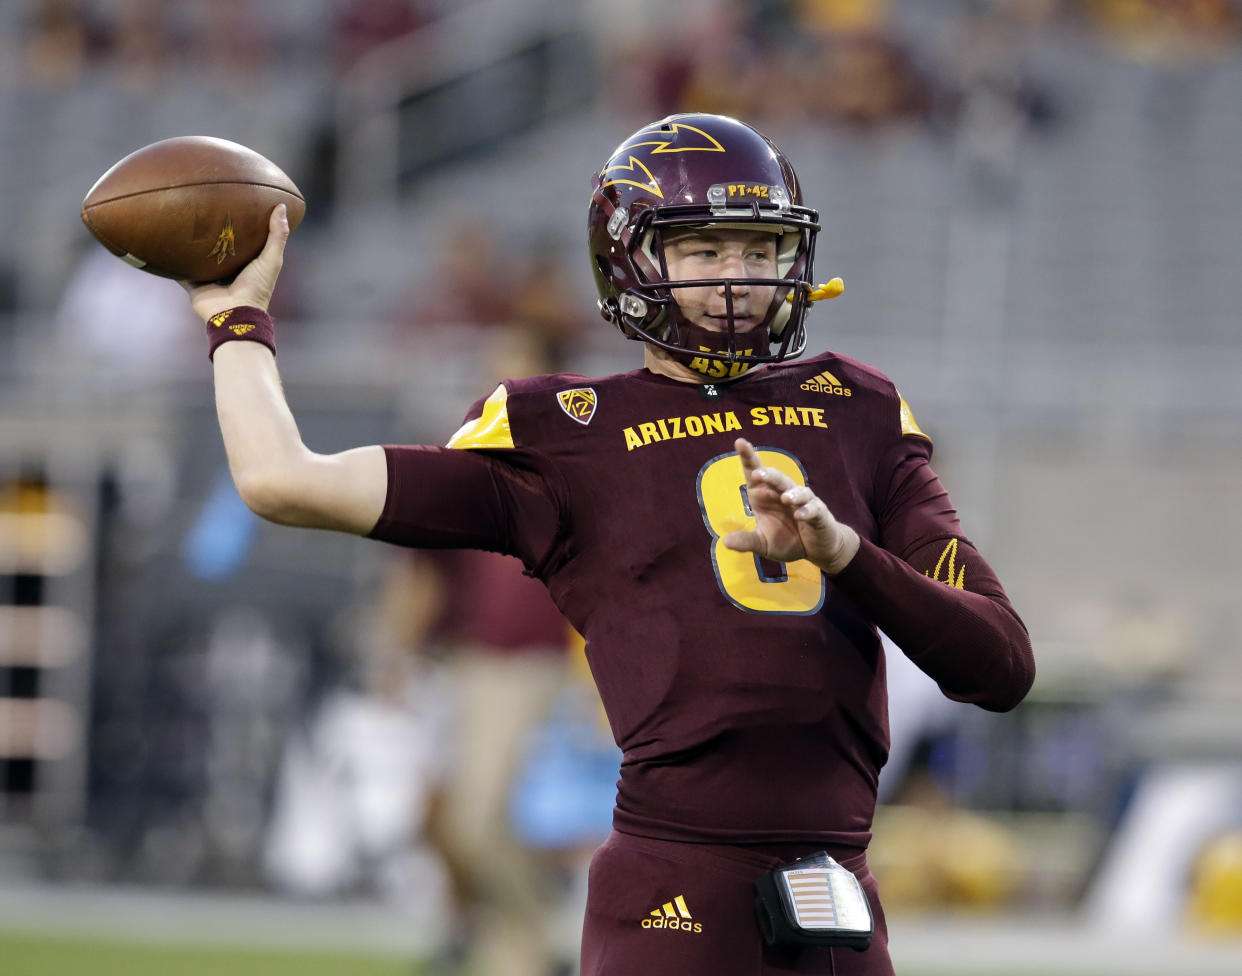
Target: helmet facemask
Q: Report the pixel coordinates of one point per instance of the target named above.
(753, 314)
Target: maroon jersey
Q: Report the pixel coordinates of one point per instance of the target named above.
(748, 697)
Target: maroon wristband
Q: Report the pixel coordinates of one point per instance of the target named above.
(244, 322)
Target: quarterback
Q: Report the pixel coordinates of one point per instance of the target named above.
(728, 526)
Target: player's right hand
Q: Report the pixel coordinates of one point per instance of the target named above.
(254, 284)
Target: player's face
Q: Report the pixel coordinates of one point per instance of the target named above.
(713, 252)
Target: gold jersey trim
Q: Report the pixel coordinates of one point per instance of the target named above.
(908, 424)
(489, 429)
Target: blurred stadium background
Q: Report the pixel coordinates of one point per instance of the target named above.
(206, 762)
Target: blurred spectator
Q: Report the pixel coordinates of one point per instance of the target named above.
(1216, 884)
(506, 647)
(843, 17)
(360, 25)
(937, 855)
(231, 43)
(106, 298)
(728, 71)
(517, 304)
(990, 97)
(855, 69)
(468, 285)
(143, 46)
(546, 322)
(504, 652)
(354, 784)
(61, 37)
(497, 641)
(701, 55)
(1167, 32)
(868, 79)
(821, 60)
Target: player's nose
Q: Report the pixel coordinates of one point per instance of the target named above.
(734, 268)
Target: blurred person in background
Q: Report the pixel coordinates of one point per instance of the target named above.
(104, 296)
(360, 26)
(456, 293)
(853, 69)
(834, 61)
(1169, 33)
(60, 40)
(145, 45)
(729, 594)
(502, 646)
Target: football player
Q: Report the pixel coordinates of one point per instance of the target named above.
(728, 526)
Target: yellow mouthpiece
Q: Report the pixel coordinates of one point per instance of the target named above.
(830, 289)
(817, 293)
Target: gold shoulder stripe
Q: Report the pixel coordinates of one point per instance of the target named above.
(908, 424)
(489, 429)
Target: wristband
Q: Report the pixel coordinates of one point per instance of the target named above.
(243, 322)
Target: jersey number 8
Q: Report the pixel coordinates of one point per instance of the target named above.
(795, 588)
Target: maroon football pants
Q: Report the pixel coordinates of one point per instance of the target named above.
(657, 908)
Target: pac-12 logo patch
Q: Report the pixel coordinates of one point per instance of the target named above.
(578, 403)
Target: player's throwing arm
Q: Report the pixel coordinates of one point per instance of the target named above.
(276, 474)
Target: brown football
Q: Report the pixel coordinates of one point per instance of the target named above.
(193, 207)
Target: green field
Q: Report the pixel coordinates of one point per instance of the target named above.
(24, 954)
(979, 951)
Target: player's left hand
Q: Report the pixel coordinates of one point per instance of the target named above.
(791, 521)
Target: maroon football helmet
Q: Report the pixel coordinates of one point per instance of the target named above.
(690, 171)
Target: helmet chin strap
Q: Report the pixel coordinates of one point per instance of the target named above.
(698, 339)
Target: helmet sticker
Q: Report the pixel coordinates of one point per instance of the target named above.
(720, 195)
(665, 139)
(629, 166)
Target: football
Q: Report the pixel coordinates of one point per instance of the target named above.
(193, 207)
